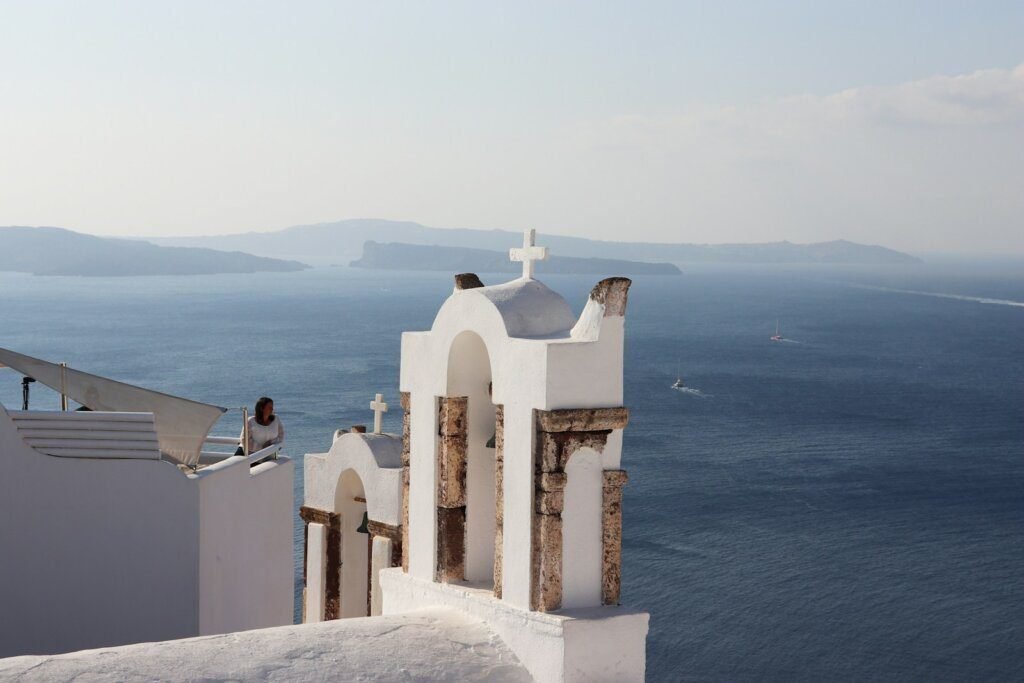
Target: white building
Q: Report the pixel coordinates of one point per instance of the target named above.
(353, 515)
(488, 536)
(116, 528)
(512, 484)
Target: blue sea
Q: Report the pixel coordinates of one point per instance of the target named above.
(846, 504)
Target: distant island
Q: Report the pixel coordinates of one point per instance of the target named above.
(341, 242)
(56, 251)
(400, 256)
(390, 245)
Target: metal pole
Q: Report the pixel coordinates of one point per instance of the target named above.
(245, 431)
(63, 387)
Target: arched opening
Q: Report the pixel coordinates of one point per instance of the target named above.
(582, 531)
(469, 375)
(350, 502)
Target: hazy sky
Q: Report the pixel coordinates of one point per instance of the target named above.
(899, 123)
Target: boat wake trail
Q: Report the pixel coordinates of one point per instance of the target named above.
(944, 295)
(692, 392)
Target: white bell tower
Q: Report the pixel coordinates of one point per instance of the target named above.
(512, 505)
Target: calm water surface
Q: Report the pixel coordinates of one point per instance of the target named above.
(849, 503)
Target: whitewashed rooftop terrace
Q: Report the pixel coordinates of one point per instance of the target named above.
(428, 645)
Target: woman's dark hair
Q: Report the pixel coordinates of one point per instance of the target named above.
(260, 405)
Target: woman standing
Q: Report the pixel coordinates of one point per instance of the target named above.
(265, 428)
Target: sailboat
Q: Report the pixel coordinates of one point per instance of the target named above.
(777, 336)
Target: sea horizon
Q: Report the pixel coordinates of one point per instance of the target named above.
(843, 504)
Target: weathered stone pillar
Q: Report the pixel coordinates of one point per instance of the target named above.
(549, 497)
(332, 581)
(406, 418)
(499, 494)
(560, 433)
(452, 447)
(391, 532)
(611, 536)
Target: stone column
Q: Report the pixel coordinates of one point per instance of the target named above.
(546, 585)
(499, 494)
(451, 488)
(393, 533)
(406, 418)
(560, 433)
(332, 549)
(611, 536)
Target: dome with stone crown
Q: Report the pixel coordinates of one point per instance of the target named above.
(528, 307)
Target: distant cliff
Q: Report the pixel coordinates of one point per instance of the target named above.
(342, 241)
(55, 251)
(398, 256)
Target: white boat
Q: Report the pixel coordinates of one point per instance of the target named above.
(679, 384)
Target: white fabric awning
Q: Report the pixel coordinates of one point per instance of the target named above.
(182, 425)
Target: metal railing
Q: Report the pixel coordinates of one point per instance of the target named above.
(213, 457)
(26, 381)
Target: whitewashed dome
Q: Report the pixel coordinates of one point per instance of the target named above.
(528, 307)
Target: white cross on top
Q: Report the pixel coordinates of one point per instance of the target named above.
(379, 407)
(529, 253)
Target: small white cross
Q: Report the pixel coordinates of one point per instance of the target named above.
(379, 407)
(529, 253)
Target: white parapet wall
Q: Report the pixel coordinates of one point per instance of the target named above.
(571, 646)
(246, 545)
(97, 552)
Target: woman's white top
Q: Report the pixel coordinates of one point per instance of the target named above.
(261, 436)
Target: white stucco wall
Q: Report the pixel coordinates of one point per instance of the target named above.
(376, 458)
(93, 551)
(608, 648)
(103, 552)
(517, 526)
(316, 545)
(571, 646)
(582, 531)
(246, 570)
(381, 560)
(586, 374)
(422, 478)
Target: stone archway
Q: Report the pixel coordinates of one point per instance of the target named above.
(356, 549)
(468, 497)
(561, 435)
(359, 479)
